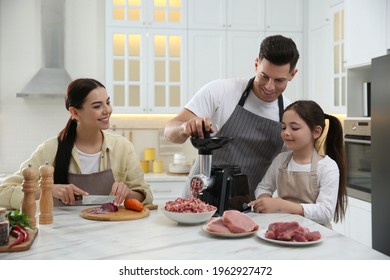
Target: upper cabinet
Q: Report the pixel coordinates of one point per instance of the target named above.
(226, 34)
(147, 13)
(146, 55)
(248, 15)
(226, 14)
(282, 15)
(326, 39)
(365, 31)
(160, 52)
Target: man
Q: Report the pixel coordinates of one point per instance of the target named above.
(249, 111)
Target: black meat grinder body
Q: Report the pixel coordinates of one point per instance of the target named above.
(222, 186)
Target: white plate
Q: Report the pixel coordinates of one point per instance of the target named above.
(229, 235)
(261, 235)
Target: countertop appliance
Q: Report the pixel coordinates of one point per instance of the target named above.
(222, 186)
(380, 132)
(357, 141)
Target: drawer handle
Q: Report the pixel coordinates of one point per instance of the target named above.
(163, 190)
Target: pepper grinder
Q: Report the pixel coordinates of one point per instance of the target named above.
(46, 184)
(29, 187)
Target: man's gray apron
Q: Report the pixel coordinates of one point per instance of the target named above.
(98, 183)
(256, 141)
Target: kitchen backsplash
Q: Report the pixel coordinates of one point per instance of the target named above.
(147, 131)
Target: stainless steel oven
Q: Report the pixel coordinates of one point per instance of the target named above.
(357, 138)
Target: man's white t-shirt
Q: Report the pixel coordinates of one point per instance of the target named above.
(218, 98)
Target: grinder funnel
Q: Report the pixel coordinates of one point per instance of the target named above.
(207, 144)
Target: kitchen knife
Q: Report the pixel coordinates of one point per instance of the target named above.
(97, 199)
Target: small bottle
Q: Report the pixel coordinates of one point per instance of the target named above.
(4, 227)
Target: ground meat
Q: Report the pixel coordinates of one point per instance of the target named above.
(97, 210)
(188, 205)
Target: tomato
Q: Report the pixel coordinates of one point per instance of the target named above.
(133, 204)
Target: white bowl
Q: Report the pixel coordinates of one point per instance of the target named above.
(179, 168)
(189, 218)
(179, 158)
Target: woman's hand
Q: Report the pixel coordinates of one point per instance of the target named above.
(122, 191)
(67, 193)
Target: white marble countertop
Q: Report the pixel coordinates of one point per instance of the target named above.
(72, 237)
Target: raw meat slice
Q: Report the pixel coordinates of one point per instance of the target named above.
(238, 222)
(291, 231)
(216, 225)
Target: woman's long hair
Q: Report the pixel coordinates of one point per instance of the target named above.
(76, 93)
(310, 112)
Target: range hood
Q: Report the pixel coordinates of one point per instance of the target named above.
(52, 79)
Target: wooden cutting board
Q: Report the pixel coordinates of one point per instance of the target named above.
(122, 214)
(22, 246)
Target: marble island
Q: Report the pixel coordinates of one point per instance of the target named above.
(72, 237)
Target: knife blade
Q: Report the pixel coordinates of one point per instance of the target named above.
(97, 199)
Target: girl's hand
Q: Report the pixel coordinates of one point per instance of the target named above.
(265, 205)
(67, 193)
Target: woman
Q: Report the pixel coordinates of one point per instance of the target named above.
(86, 158)
(307, 183)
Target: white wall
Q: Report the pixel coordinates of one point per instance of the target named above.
(24, 123)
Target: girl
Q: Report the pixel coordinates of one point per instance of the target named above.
(86, 159)
(307, 183)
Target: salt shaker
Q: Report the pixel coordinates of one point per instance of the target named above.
(46, 203)
(4, 227)
(29, 187)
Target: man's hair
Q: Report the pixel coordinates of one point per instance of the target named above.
(279, 50)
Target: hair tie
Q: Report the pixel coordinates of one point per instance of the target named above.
(326, 116)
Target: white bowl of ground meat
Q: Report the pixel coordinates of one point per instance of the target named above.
(188, 210)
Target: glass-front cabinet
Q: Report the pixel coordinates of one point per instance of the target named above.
(152, 13)
(146, 55)
(339, 70)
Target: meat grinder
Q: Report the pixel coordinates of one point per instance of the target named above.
(222, 186)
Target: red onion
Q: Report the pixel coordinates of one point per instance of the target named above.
(110, 207)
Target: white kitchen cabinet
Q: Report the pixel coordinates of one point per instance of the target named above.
(357, 222)
(146, 70)
(365, 28)
(226, 14)
(326, 69)
(147, 13)
(146, 56)
(165, 187)
(319, 76)
(220, 55)
(207, 58)
(247, 15)
(318, 14)
(232, 54)
(284, 15)
(224, 39)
